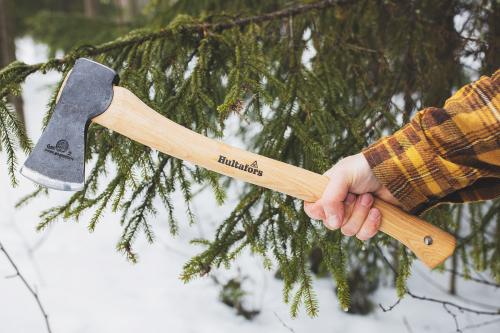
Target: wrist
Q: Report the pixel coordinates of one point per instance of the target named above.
(379, 188)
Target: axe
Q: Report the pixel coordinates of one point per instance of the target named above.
(89, 94)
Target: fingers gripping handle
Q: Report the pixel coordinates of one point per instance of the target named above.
(129, 116)
(429, 243)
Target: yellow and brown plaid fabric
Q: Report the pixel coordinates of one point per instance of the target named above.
(449, 154)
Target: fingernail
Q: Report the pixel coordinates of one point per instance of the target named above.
(366, 200)
(374, 214)
(350, 199)
(333, 221)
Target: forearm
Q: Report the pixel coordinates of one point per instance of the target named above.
(445, 154)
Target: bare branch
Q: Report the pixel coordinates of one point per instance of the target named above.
(458, 307)
(445, 304)
(454, 316)
(390, 307)
(484, 323)
(482, 281)
(30, 289)
(283, 323)
(407, 325)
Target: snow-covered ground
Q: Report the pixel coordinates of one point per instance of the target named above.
(86, 286)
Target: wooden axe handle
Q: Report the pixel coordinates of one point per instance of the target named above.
(129, 116)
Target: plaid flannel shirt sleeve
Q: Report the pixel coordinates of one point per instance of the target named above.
(449, 154)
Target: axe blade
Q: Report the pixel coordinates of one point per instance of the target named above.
(58, 159)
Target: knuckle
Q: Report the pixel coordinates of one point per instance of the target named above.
(359, 213)
(349, 229)
(374, 215)
(350, 199)
(340, 166)
(330, 172)
(362, 236)
(365, 201)
(330, 208)
(325, 201)
(345, 160)
(370, 229)
(328, 226)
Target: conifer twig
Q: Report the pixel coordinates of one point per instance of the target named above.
(30, 289)
(200, 28)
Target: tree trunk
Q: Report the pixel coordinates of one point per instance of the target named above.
(491, 60)
(8, 48)
(129, 9)
(453, 275)
(90, 8)
(395, 263)
(133, 8)
(454, 259)
(440, 86)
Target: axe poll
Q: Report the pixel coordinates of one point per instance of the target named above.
(89, 94)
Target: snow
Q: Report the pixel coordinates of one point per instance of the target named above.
(87, 286)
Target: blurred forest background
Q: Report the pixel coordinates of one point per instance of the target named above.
(318, 80)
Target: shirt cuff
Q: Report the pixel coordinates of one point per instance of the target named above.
(411, 167)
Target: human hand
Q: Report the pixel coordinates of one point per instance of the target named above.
(347, 200)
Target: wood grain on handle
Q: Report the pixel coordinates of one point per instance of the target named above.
(129, 116)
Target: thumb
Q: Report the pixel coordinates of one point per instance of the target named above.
(333, 200)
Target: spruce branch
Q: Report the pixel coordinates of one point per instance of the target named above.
(12, 136)
(446, 304)
(27, 285)
(179, 26)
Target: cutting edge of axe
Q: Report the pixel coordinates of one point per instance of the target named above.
(88, 94)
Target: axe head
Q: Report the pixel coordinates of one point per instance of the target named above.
(58, 159)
